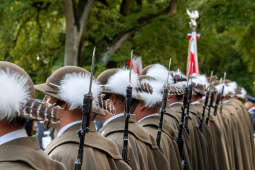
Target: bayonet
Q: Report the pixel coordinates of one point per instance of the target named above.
(86, 111)
(92, 69)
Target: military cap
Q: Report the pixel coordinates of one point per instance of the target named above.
(212, 80)
(250, 98)
(151, 90)
(229, 88)
(16, 89)
(178, 76)
(199, 83)
(240, 92)
(159, 72)
(70, 84)
(116, 81)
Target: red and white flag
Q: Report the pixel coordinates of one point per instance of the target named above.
(136, 65)
(192, 61)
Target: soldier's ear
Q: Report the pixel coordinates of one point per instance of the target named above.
(65, 107)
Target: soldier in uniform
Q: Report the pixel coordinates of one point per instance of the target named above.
(143, 153)
(66, 88)
(250, 105)
(17, 150)
(148, 116)
(172, 117)
(245, 132)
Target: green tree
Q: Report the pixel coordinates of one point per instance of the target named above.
(40, 35)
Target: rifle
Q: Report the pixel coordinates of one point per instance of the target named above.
(209, 108)
(201, 120)
(127, 114)
(218, 97)
(86, 110)
(189, 98)
(163, 108)
(207, 94)
(180, 140)
(222, 92)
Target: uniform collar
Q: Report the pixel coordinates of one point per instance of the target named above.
(226, 101)
(150, 115)
(13, 135)
(63, 129)
(251, 109)
(196, 102)
(175, 103)
(112, 118)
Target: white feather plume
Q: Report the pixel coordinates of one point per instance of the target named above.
(181, 84)
(156, 96)
(232, 87)
(243, 94)
(178, 73)
(219, 89)
(199, 79)
(228, 88)
(14, 92)
(119, 82)
(160, 72)
(73, 88)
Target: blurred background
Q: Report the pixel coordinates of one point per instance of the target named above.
(43, 35)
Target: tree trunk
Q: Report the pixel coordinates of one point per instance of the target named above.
(76, 24)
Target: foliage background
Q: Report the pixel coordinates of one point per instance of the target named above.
(32, 35)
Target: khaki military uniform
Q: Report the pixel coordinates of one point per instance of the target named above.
(212, 140)
(168, 142)
(173, 117)
(99, 153)
(25, 154)
(143, 153)
(242, 135)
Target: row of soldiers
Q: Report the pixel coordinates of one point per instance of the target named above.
(193, 128)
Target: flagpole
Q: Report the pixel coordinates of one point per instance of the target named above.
(193, 15)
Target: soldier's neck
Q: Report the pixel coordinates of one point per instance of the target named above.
(195, 98)
(173, 100)
(69, 116)
(146, 112)
(6, 127)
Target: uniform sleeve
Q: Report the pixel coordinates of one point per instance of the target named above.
(15, 165)
(65, 154)
(120, 164)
